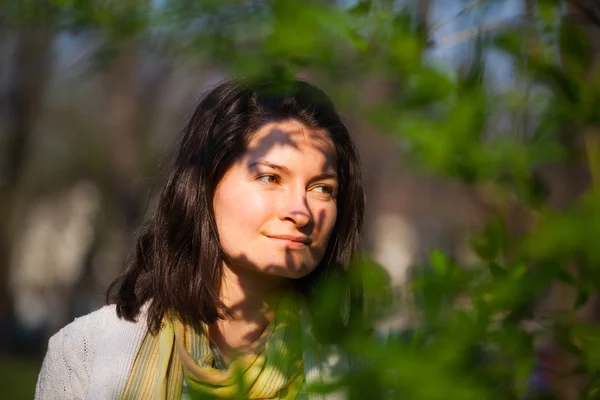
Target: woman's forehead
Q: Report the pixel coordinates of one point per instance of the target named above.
(291, 135)
(288, 131)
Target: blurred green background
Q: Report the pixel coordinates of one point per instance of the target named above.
(478, 125)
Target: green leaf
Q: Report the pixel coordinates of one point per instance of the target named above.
(488, 244)
(587, 338)
(497, 270)
(362, 8)
(440, 262)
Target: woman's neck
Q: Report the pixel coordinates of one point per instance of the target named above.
(249, 296)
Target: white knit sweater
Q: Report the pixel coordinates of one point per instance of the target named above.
(92, 356)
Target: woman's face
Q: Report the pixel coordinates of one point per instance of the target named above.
(275, 208)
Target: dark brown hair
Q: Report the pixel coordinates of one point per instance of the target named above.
(177, 262)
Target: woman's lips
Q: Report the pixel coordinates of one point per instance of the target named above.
(291, 241)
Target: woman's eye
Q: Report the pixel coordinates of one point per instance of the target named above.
(268, 178)
(325, 189)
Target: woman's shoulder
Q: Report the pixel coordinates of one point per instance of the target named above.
(73, 352)
(66, 368)
(81, 335)
(101, 322)
(94, 319)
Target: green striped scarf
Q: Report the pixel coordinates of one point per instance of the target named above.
(272, 370)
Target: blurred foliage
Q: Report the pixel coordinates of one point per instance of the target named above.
(473, 337)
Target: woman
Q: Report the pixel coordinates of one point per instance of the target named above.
(264, 199)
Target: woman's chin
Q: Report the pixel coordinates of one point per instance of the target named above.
(287, 271)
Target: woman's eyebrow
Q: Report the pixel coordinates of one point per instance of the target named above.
(285, 170)
(281, 168)
(324, 176)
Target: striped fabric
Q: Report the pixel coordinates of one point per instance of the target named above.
(179, 363)
(157, 372)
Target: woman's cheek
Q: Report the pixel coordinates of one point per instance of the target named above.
(257, 208)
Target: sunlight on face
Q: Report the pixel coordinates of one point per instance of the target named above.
(275, 207)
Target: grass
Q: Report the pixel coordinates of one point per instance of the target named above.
(18, 377)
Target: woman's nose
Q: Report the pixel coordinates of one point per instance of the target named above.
(295, 209)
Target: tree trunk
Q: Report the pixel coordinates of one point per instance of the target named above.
(121, 132)
(31, 69)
